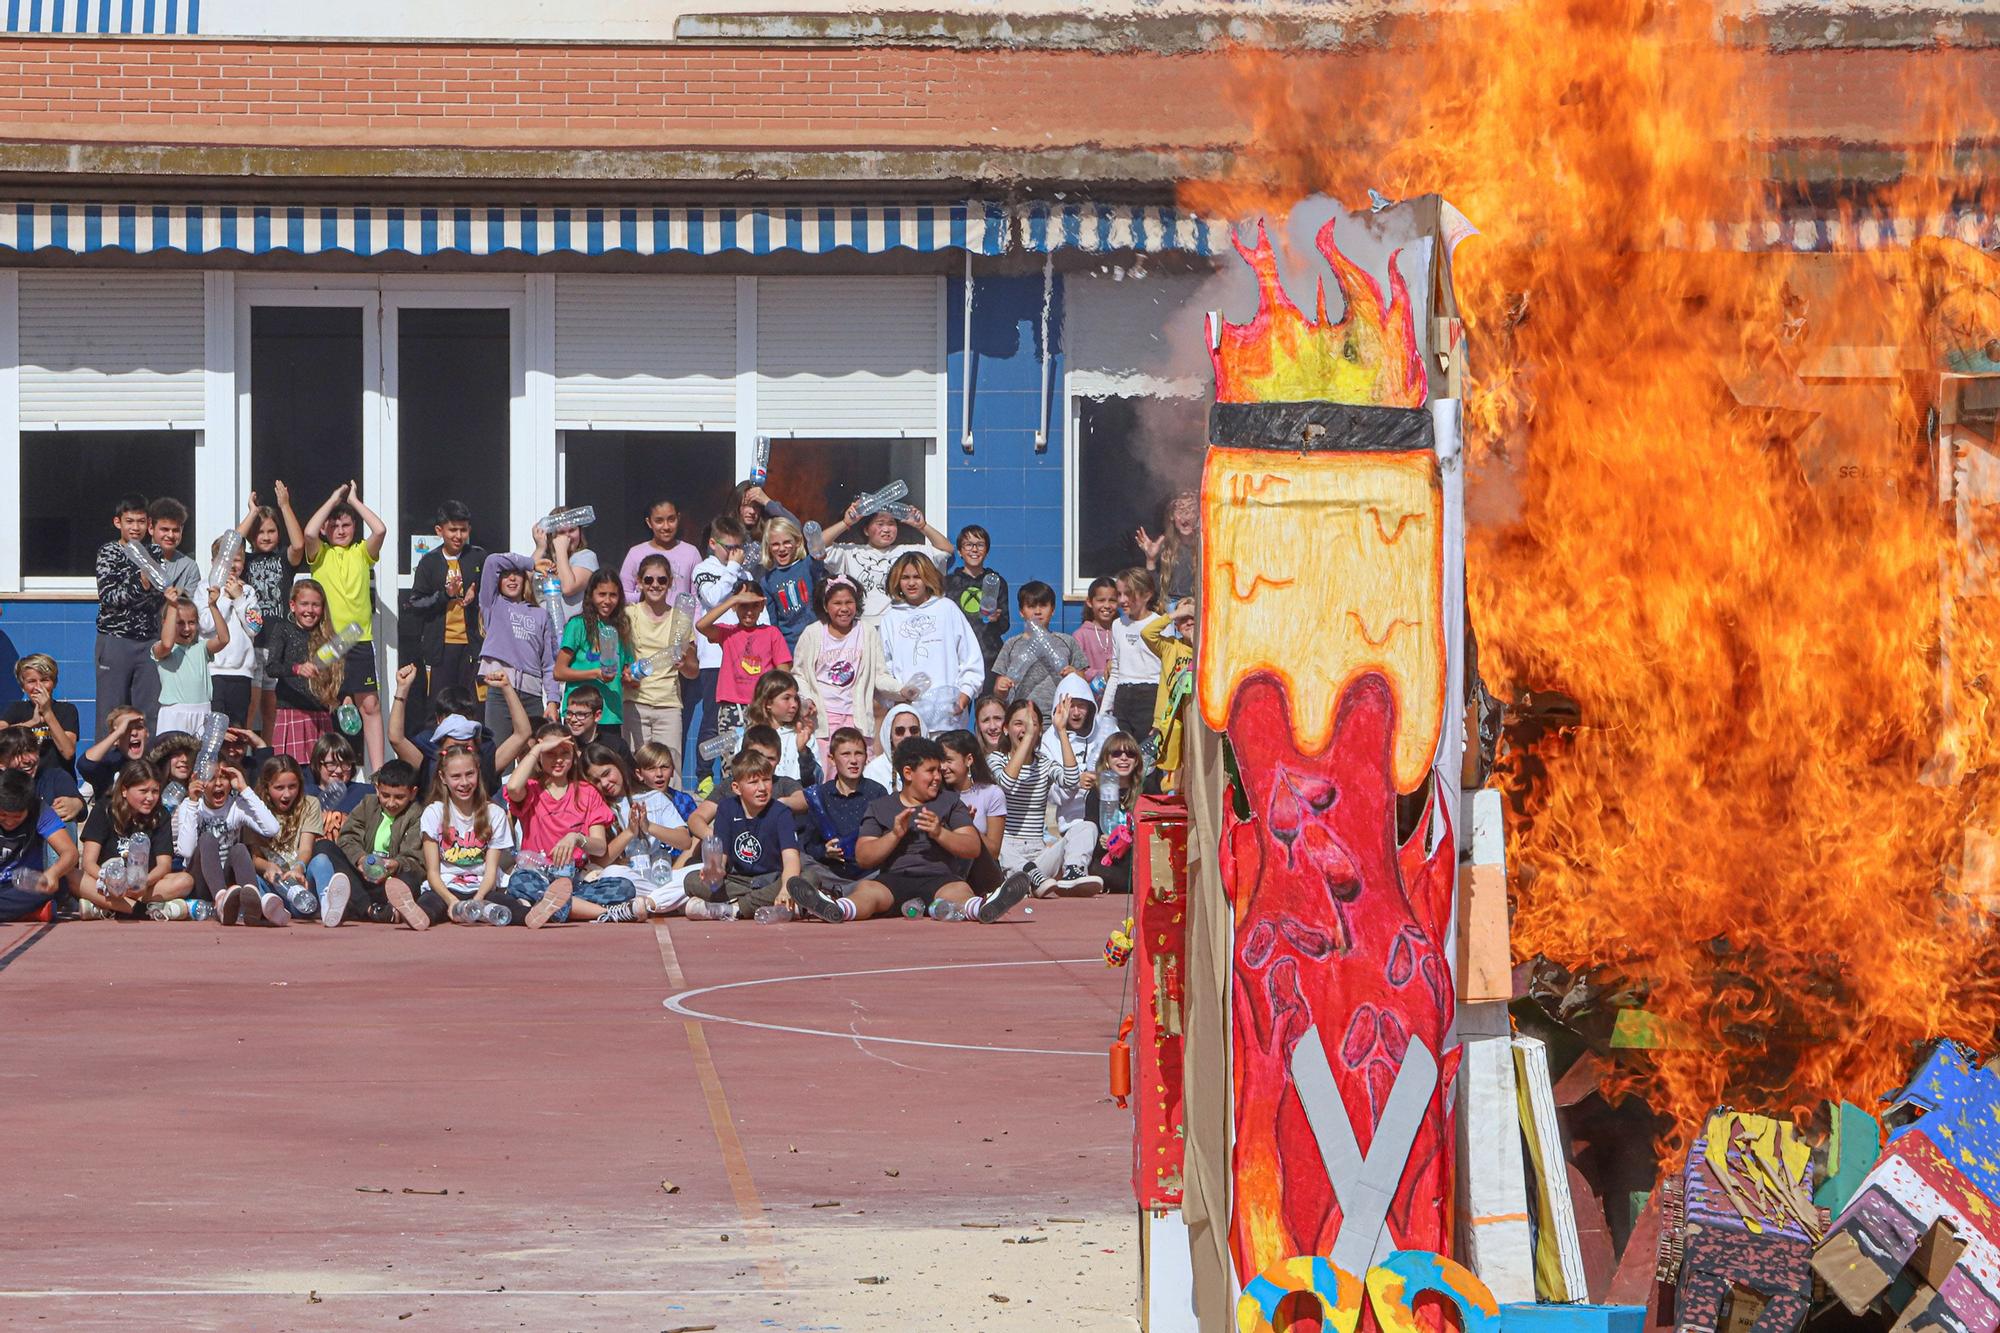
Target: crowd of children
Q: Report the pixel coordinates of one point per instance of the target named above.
(781, 726)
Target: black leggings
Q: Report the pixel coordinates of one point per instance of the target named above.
(365, 895)
(438, 908)
(207, 866)
(1132, 706)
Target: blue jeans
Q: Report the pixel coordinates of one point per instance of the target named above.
(530, 886)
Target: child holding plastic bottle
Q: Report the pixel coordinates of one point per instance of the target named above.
(836, 807)
(661, 632)
(596, 648)
(379, 841)
(925, 639)
(1035, 660)
(209, 831)
(869, 562)
(285, 860)
(307, 687)
(980, 592)
(269, 568)
(465, 833)
(29, 833)
(182, 658)
(1100, 613)
(790, 575)
(564, 821)
(128, 852)
(777, 705)
(232, 672)
(839, 664)
(750, 649)
(1133, 685)
(1171, 637)
(1109, 806)
(343, 560)
(1026, 773)
(716, 579)
(628, 853)
(655, 818)
(750, 848)
(520, 642)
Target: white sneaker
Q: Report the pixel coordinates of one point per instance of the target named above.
(333, 902)
(275, 911)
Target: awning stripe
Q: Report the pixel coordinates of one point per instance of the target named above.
(979, 226)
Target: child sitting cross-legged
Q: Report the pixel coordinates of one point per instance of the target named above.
(837, 807)
(464, 836)
(611, 774)
(657, 822)
(564, 822)
(911, 848)
(110, 882)
(761, 866)
(310, 884)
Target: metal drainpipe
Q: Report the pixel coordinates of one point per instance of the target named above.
(965, 360)
(1048, 299)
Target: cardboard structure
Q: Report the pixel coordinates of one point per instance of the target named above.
(1748, 1224)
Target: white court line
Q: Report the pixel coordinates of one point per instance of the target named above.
(327, 1293)
(679, 1004)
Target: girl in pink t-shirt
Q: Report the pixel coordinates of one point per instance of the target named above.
(563, 821)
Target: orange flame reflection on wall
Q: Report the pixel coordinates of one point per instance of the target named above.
(1368, 355)
(1734, 571)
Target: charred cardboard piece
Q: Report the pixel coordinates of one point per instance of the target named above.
(1748, 1227)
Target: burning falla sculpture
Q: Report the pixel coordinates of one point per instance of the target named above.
(1330, 615)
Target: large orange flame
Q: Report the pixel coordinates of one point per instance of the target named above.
(1369, 355)
(1703, 507)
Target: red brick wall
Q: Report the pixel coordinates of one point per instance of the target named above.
(793, 97)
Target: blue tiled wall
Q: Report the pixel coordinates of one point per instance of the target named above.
(1004, 484)
(66, 631)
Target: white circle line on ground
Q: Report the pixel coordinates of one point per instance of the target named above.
(678, 1003)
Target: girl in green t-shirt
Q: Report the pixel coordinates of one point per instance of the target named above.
(597, 647)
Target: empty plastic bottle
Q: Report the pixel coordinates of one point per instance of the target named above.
(577, 516)
(878, 500)
(1109, 816)
(467, 912)
(336, 648)
(686, 611)
(913, 910)
(535, 861)
(497, 914)
(773, 915)
(1044, 646)
(214, 730)
(172, 795)
(760, 460)
(902, 513)
(178, 909)
(549, 594)
(145, 562)
(608, 649)
(138, 861)
(348, 718)
(302, 900)
(944, 911)
(815, 541)
(989, 594)
(27, 879)
(331, 793)
(375, 867)
(720, 744)
(224, 563)
(753, 558)
(1149, 751)
(918, 685)
(714, 860)
(111, 874)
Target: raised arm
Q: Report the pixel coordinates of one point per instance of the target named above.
(310, 543)
(220, 639)
(399, 740)
(378, 531)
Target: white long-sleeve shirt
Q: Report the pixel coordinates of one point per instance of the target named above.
(937, 640)
(243, 810)
(1132, 662)
(239, 655)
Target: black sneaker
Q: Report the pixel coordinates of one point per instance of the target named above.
(382, 914)
(813, 901)
(999, 902)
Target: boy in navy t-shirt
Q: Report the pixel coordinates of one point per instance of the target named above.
(758, 838)
(28, 830)
(835, 809)
(910, 850)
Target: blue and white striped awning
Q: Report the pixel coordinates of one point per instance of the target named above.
(157, 18)
(375, 230)
(1148, 228)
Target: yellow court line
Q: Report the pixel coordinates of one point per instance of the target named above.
(770, 1269)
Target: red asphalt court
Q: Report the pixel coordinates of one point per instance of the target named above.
(329, 1129)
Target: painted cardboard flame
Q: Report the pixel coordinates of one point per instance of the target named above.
(1369, 356)
(1318, 569)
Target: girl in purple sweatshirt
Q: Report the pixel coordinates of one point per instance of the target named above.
(520, 641)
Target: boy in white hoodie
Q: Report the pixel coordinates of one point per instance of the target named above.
(927, 638)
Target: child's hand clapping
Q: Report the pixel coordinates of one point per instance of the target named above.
(406, 676)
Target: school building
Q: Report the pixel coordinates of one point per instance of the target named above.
(520, 253)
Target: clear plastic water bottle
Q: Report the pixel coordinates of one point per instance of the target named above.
(496, 914)
(348, 718)
(335, 649)
(302, 900)
(549, 594)
(176, 910)
(577, 516)
(111, 875)
(918, 685)
(146, 563)
(753, 559)
(224, 563)
(537, 862)
(1046, 648)
(760, 460)
(815, 541)
(138, 861)
(375, 867)
(172, 795)
(944, 911)
(773, 915)
(331, 793)
(882, 499)
(989, 594)
(902, 513)
(608, 650)
(714, 860)
(199, 909)
(715, 746)
(214, 730)
(913, 910)
(467, 912)
(1109, 816)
